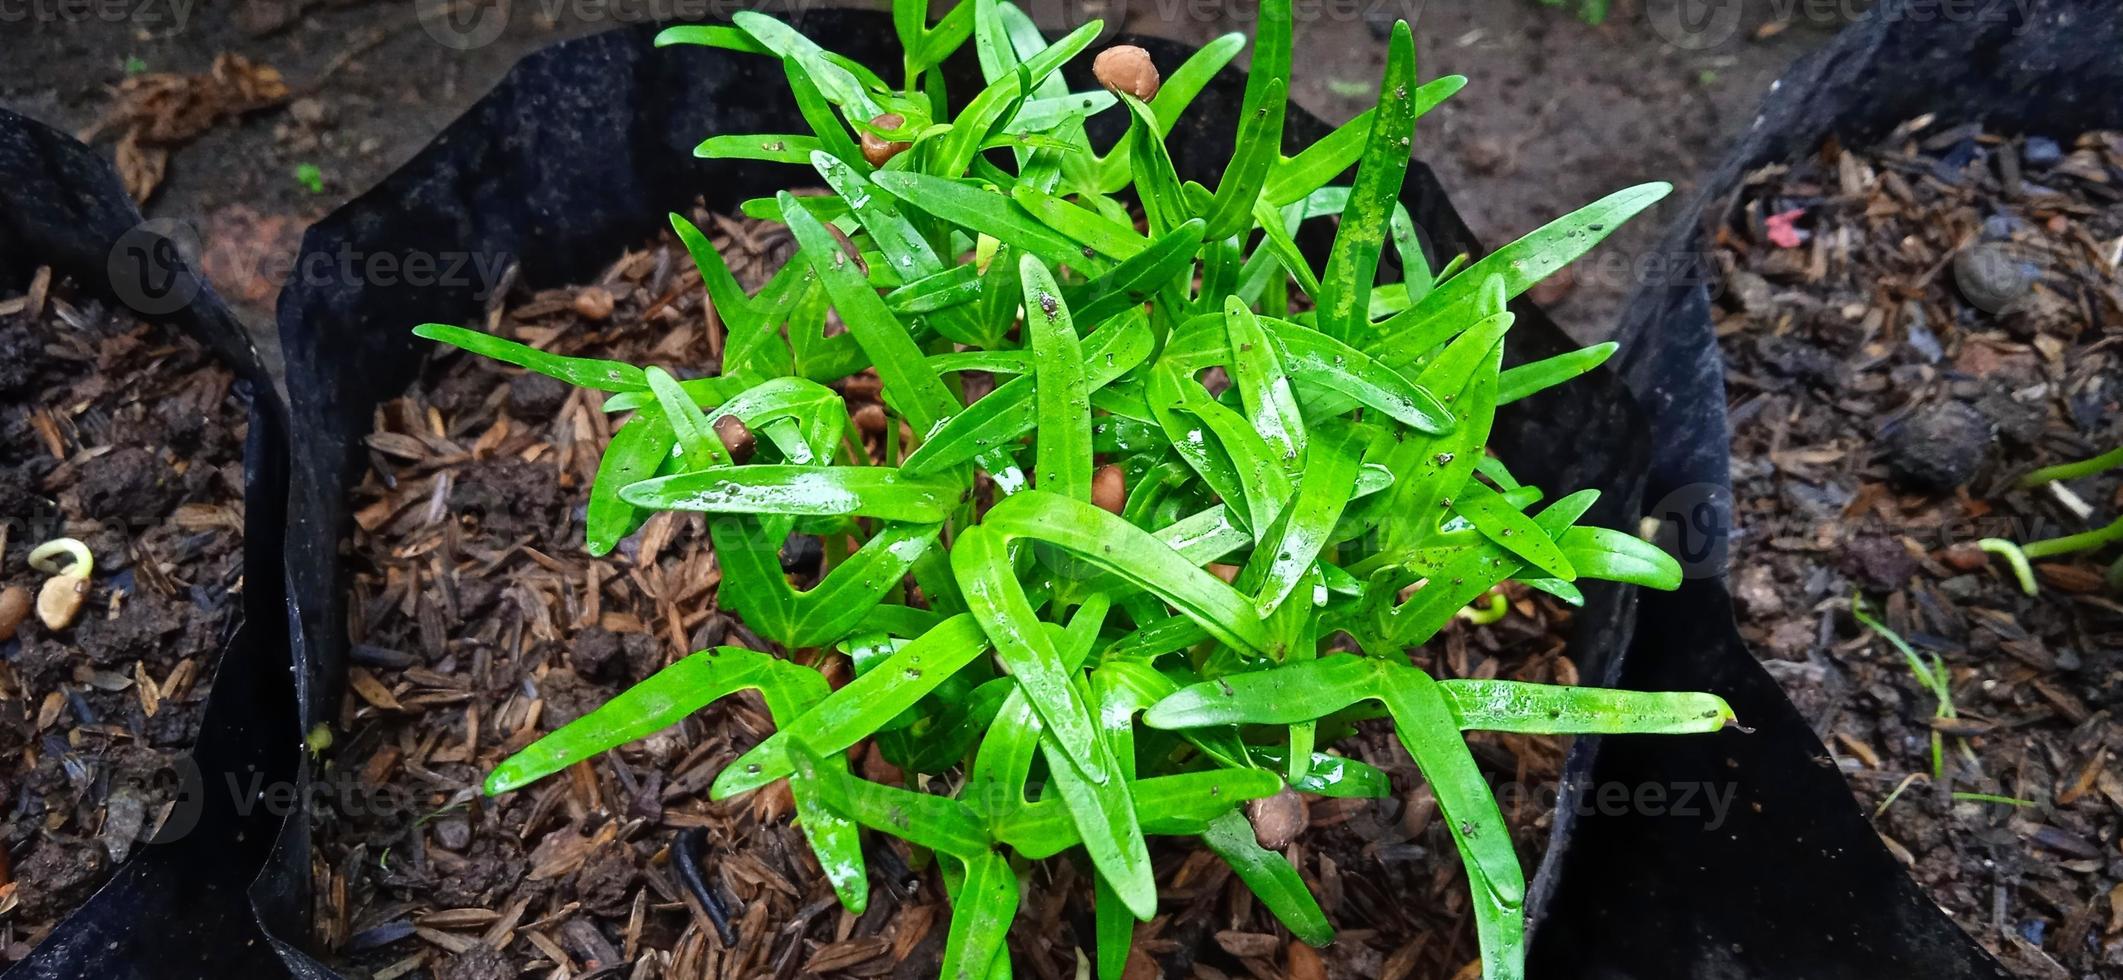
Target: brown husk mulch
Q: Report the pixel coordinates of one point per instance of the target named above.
(1942, 314)
(129, 438)
(479, 623)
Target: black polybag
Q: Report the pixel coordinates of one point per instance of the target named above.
(1795, 883)
(177, 907)
(581, 152)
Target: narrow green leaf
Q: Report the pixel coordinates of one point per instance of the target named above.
(981, 561)
(805, 491)
(1063, 452)
(771, 149)
(658, 702)
(1271, 878)
(980, 919)
(1283, 695)
(1008, 413)
(1087, 228)
(1617, 557)
(638, 448)
(909, 384)
(580, 371)
(1259, 143)
(938, 823)
(1302, 529)
(1126, 550)
(1520, 264)
(711, 35)
(1352, 265)
(1547, 709)
(1511, 529)
(696, 444)
(1316, 165)
(1139, 276)
(1423, 720)
(980, 210)
(861, 707)
(1530, 379)
(1262, 384)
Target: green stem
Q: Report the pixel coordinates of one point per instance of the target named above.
(2072, 471)
(2082, 541)
(2015, 557)
(1487, 613)
(81, 564)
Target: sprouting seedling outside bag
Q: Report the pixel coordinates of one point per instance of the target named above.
(1075, 666)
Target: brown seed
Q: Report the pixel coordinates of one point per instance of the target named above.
(1300, 962)
(1109, 488)
(735, 437)
(1125, 68)
(877, 149)
(1278, 819)
(1964, 557)
(59, 602)
(877, 769)
(870, 419)
(594, 303)
(1229, 573)
(14, 608)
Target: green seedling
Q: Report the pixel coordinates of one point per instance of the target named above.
(1930, 674)
(1023, 590)
(2018, 556)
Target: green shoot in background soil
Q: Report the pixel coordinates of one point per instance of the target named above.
(2018, 556)
(1023, 587)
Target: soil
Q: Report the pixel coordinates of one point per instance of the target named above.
(129, 438)
(1908, 329)
(1557, 112)
(479, 624)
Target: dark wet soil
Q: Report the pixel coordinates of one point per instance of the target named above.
(1908, 330)
(128, 438)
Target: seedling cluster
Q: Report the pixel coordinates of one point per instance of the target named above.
(1115, 380)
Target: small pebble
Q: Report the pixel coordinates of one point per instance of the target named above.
(453, 833)
(1938, 447)
(1990, 276)
(594, 303)
(2041, 151)
(309, 112)
(1278, 819)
